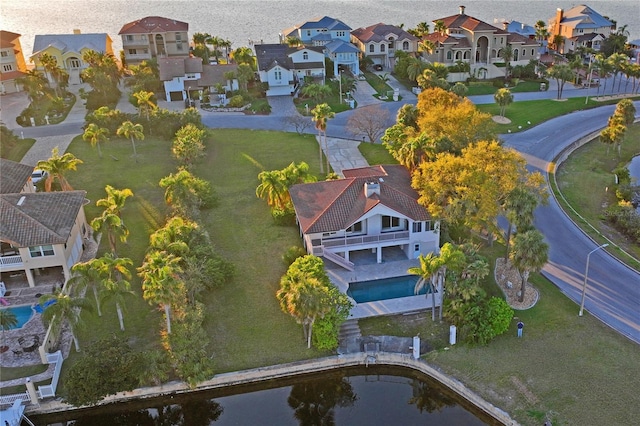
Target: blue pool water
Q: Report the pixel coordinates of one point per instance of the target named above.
(23, 314)
(384, 289)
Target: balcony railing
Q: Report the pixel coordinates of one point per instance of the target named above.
(362, 239)
(10, 260)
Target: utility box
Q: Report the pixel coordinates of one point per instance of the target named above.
(416, 347)
(452, 335)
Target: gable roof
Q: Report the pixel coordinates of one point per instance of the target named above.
(14, 176)
(153, 24)
(379, 32)
(177, 67)
(72, 42)
(469, 23)
(339, 46)
(42, 218)
(270, 55)
(327, 22)
(584, 17)
(214, 74)
(7, 38)
(335, 205)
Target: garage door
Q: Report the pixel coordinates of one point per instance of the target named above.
(175, 96)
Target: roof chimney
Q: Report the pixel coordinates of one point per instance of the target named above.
(76, 31)
(462, 10)
(505, 25)
(371, 188)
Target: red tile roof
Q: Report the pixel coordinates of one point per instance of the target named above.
(334, 205)
(153, 24)
(11, 75)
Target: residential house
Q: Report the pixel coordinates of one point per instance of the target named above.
(468, 39)
(154, 37)
(12, 64)
(372, 208)
(334, 36)
(68, 50)
(38, 230)
(182, 76)
(284, 67)
(380, 42)
(579, 26)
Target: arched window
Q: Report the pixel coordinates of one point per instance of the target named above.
(458, 55)
(467, 55)
(372, 48)
(382, 47)
(449, 55)
(516, 54)
(405, 45)
(533, 52)
(305, 56)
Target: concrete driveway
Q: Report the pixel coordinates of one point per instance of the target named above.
(11, 105)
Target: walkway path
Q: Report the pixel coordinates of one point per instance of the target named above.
(344, 154)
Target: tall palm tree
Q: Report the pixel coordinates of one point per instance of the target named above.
(131, 131)
(161, 284)
(440, 27)
(428, 275)
(613, 134)
(617, 62)
(507, 55)
(415, 68)
(94, 135)
(145, 103)
(57, 166)
(34, 83)
(503, 97)
(451, 259)
(8, 320)
(541, 31)
(243, 55)
(50, 65)
(115, 275)
(86, 276)
(271, 188)
(113, 225)
(65, 308)
(176, 236)
(528, 254)
(322, 113)
(115, 199)
(518, 207)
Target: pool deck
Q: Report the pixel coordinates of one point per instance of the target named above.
(395, 264)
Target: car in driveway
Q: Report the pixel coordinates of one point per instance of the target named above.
(377, 67)
(38, 175)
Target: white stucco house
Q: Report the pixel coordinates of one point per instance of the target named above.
(372, 208)
(284, 67)
(184, 75)
(580, 26)
(380, 42)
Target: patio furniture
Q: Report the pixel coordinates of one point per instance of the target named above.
(29, 344)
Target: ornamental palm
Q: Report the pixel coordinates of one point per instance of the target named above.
(113, 225)
(115, 281)
(34, 83)
(64, 308)
(528, 254)
(131, 131)
(176, 237)
(115, 199)
(50, 65)
(86, 276)
(428, 275)
(8, 320)
(322, 113)
(271, 188)
(145, 103)
(451, 258)
(57, 167)
(94, 135)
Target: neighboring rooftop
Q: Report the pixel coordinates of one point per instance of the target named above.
(379, 32)
(14, 176)
(72, 42)
(153, 24)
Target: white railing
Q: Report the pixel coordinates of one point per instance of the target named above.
(10, 399)
(50, 390)
(10, 260)
(339, 260)
(364, 239)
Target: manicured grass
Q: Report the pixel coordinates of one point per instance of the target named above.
(526, 114)
(586, 181)
(10, 373)
(487, 87)
(17, 151)
(378, 84)
(376, 154)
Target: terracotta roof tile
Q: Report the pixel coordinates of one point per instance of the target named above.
(153, 24)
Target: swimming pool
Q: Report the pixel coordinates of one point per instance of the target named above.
(384, 289)
(23, 314)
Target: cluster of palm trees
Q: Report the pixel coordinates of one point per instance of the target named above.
(201, 43)
(274, 185)
(103, 75)
(95, 134)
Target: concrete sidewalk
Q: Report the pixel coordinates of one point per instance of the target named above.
(343, 154)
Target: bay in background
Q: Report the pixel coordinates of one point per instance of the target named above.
(244, 20)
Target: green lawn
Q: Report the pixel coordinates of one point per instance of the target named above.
(17, 151)
(584, 180)
(487, 87)
(376, 154)
(527, 114)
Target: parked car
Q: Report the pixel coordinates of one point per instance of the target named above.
(377, 67)
(38, 175)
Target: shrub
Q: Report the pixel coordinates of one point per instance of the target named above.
(283, 217)
(236, 101)
(292, 254)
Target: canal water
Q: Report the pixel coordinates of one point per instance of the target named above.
(375, 395)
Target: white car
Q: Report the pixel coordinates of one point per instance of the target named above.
(38, 175)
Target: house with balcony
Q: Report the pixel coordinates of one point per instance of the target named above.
(182, 77)
(579, 26)
(68, 49)
(40, 232)
(12, 64)
(283, 67)
(481, 45)
(331, 34)
(154, 37)
(380, 42)
(373, 208)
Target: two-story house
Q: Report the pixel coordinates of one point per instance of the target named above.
(380, 42)
(38, 230)
(372, 208)
(468, 39)
(68, 49)
(579, 26)
(331, 34)
(12, 65)
(284, 67)
(154, 37)
(182, 76)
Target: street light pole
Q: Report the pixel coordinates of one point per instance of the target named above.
(340, 82)
(586, 272)
(589, 80)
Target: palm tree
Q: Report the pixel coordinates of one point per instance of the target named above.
(503, 97)
(557, 41)
(519, 207)
(541, 31)
(176, 236)
(50, 65)
(111, 223)
(86, 276)
(451, 258)
(243, 55)
(115, 199)
(57, 166)
(34, 83)
(321, 114)
(292, 41)
(161, 282)
(561, 73)
(507, 55)
(131, 131)
(145, 103)
(94, 135)
(617, 62)
(115, 275)
(428, 273)
(529, 254)
(245, 75)
(415, 68)
(271, 188)
(8, 320)
(64, 308)
(440, 27)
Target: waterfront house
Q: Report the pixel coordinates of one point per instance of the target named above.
(331, 34)
(68, 49)
(283, 67)
(481, 45)
(12, 64)
(39, 231)
(380, 42)
(579, 26)
(372, 208)
(154, 37)
(182, 76)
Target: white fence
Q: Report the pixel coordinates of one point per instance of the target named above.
(10, 399)
(47, 391)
